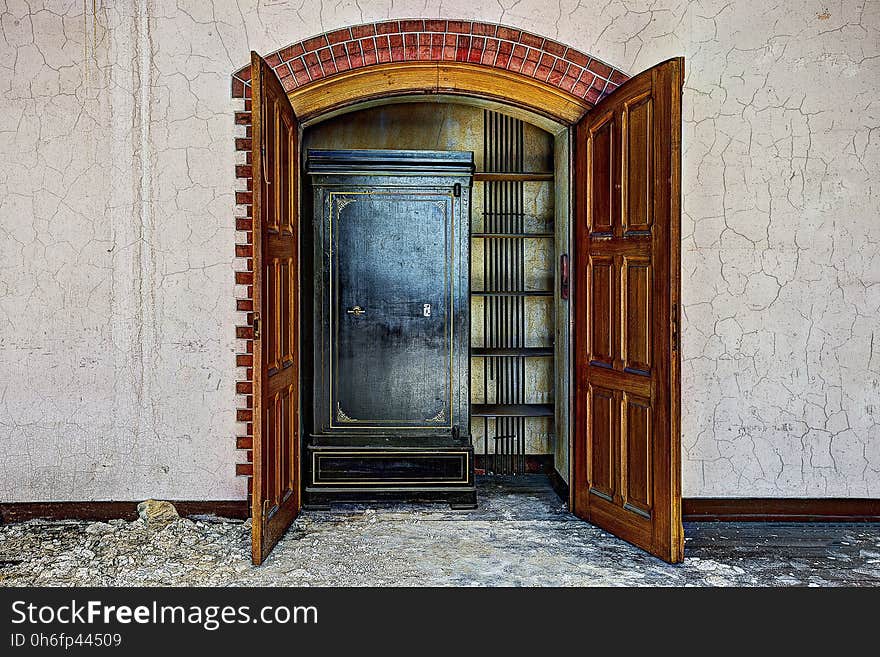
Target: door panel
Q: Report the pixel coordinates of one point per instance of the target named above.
(637, 148)
(627, 472)
(602, 175)
(638, 456)
(287, 285)
(272, 316)
(275, 496)
(636, 296)
(601, 280)
(391, 277)
(602, 425)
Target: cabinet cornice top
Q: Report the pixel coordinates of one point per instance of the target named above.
(395, 162)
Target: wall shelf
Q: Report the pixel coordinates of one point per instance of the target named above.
(511, 410)
(513, 218)
(497, 352)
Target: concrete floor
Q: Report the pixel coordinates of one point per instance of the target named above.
(521, 534)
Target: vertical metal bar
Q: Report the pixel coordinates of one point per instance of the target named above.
(502, 261)
(489, 260)
(509, 243)
(484, 227)
(495, 278)
(486, 441)
(505, 166)
(493, 145)
(522, 228)
(521, 430)
(499, 449)
(521, 433)
(487, 362)
(499, 166)
(521, 327)
(490, 255)
(510, 300)
(514, 300)
(517, 269)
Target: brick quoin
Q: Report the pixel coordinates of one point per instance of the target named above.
(360, 46)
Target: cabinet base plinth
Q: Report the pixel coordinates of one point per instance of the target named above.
(389, 475)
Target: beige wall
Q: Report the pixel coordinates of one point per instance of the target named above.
(116, 204)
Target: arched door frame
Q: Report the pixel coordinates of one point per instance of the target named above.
(572, 83)
(539, 103)
(562, 135)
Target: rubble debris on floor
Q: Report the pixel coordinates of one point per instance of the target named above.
(521, 535)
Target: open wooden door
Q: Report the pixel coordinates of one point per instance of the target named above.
(627, 189)
(274, 161)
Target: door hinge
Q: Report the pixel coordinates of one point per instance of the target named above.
(675, 331)
(256, 326)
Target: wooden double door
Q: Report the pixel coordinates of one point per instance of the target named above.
(626, 474)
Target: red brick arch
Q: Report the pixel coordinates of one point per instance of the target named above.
(422, 40)
(426, 40)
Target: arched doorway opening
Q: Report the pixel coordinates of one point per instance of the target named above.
(615, 220)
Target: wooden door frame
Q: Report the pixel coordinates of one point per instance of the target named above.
(329, 97)
(560, 125)
(499, 66)
(532, 100)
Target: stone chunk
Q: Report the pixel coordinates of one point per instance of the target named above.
(99, 528)
(157, 514)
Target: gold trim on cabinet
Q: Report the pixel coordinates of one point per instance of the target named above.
(343, 201)
(439, 417)
(341, 415)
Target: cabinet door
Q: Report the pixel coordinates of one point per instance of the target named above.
(391, 311)
(627, 443)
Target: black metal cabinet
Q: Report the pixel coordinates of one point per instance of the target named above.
(391, 311)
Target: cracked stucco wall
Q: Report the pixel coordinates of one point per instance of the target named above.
(116, 232)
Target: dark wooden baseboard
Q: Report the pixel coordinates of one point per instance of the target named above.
(694, 509)
(535, 463)
(102, 510)
(780, 509)
(559, 484)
